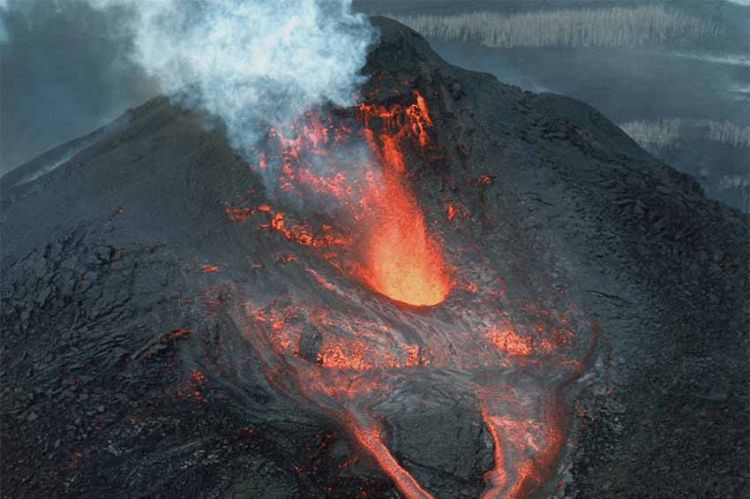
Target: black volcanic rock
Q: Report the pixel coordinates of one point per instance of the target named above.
(121, 376)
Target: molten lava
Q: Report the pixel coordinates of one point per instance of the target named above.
(403, 262)
(323, 341)
(370, 438)
(396, 256)
(405, 265)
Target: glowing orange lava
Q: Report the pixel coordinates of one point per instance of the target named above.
(521, 438)
(402, 260)
(510, 342)
(324, 341)
(395, 255)
(369, 437)
(496, 477)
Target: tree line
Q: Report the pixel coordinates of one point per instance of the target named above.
(592, 27)
(668, 132)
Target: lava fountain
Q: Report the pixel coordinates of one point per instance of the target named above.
(327, 341)
(402, 261)
(395, 255)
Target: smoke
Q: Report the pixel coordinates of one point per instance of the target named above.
(71, 66)
(252, 63)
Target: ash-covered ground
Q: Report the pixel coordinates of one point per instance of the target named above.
(128, 370)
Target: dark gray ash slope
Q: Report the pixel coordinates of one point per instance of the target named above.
(101, 274)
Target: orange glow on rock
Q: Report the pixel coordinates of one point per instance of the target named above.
(509, 342)
(177, 334)
(495, 477)
(238, 214)
(390, 247)
(301, 233)
(451, 212)
(344, 356)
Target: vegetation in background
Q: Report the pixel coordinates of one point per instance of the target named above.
(729, 133)
(662, 133)
(667, 133)
(612, 27)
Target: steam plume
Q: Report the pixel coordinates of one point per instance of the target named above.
(249, 62)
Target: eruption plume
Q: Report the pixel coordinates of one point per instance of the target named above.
(251, 63)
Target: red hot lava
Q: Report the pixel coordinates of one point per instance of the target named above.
(403, 261)
(395, 254)
(359, 359)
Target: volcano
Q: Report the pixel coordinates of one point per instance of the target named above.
(453, 288)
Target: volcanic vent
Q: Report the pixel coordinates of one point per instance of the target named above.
(362, 359)
(354, 167)
(391, 296)
(345, 181)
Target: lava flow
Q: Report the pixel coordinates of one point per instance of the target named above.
(325, 341)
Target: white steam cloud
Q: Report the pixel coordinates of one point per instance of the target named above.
(250, 62)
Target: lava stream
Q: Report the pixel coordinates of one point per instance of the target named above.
(516, 439)
(354, 356)
(496, 477)
(396, 255)
(368, 435)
